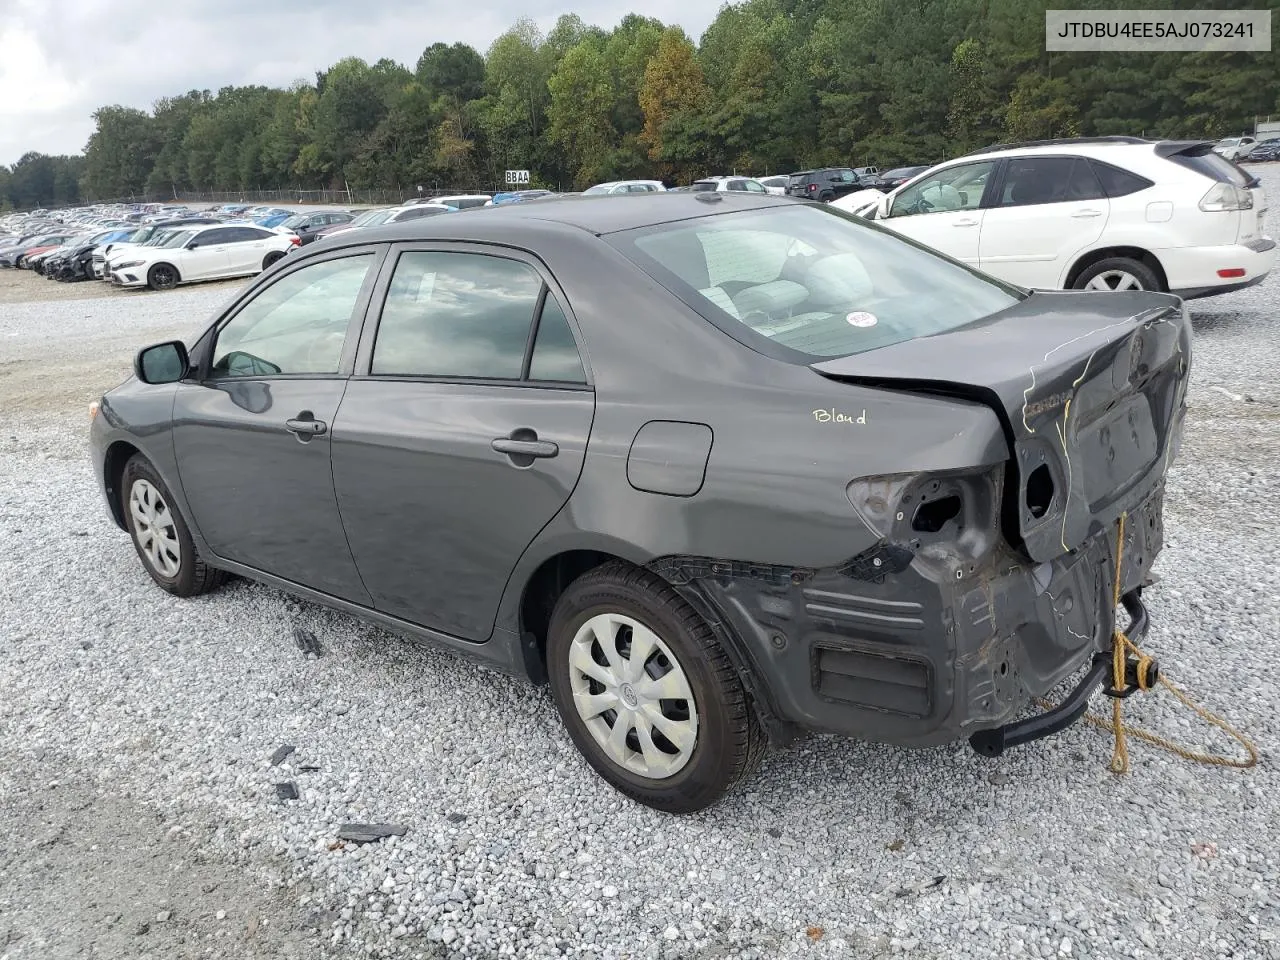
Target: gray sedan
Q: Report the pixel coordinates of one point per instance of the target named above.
(721, 468)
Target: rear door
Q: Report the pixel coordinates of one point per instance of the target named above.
(944, 211)
(245, 249)
(252, 431)
(1047, 211)
(462, 433)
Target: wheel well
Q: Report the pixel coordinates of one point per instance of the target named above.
(543, 589)
(118, 455)
(1132, 253)
(176, 272)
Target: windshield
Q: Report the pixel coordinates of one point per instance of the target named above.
(370, 218)
(702, 186)
(597, 190)
(297, 220)
(169, 241)
(811, 280)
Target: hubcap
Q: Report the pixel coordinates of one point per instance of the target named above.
(633, 696)
(154, 527)
(1114, 280)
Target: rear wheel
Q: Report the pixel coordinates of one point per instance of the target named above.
(162, 277)
(270, 258)
(1117, 274)
(647, 693)
(160, 534)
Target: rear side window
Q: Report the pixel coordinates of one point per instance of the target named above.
(1117, 182)
(555, 354)
(1037, 180)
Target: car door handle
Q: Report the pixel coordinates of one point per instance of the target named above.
(964, 223)
(1086, 214)
(305, 427)
(516, 447)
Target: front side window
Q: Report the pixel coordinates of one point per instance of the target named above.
(955, 188)
(753, 186)
(811, 280)
(462, 315)
(297, 325)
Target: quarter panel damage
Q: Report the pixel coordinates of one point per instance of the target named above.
(907, 652)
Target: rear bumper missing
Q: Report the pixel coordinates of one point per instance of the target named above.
(994, 742)
(895, 652)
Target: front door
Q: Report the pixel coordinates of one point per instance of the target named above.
(460, 436)
(252, 433)
(944, 211)
(1048, 211)
(208, 257)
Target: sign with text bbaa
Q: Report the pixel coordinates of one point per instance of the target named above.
(517, 176)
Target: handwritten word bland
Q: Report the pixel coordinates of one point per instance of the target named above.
(835, 416)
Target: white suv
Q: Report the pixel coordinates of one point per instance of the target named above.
(1104, 213)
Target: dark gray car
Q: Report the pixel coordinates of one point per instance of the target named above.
(721, 468)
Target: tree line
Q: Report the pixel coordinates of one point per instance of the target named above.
(771, 86)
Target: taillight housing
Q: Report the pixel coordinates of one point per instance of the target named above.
(949, 520)
(1226, 196)
(296, 240)
(813, 186)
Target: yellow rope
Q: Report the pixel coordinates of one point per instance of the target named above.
(1121, 647)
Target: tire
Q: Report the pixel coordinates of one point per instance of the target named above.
(725, 742)
(273, 257)
(162, 277)
(1118, 273)
(174, 564)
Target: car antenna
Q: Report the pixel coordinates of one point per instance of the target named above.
(707, 196)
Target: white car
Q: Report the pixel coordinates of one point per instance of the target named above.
(388, 215)
(860, 202)
(1102, 213)
(723, 184)
(198, 253)
(776, 185)
(1235, 148)
(625, 186)
(461, 201)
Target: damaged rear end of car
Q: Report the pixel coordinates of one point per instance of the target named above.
(989, 584)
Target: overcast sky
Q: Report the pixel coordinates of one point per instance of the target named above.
(59, 61)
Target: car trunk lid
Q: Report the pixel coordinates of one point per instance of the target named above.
(1090, 389)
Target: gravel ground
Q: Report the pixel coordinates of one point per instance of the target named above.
(136, 732)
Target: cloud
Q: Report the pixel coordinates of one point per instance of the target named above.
(61, 61)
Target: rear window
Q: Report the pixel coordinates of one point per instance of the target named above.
(811, 283)
(1204, 160)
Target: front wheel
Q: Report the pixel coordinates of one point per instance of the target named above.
(1117, 274)
(648, 695)
(160, 533)
(162, 277)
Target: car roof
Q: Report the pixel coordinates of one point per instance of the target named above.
(598, 215)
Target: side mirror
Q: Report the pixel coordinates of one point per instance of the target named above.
(883, 205)
(162, 363)
(193, 244)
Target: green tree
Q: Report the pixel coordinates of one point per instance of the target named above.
(580, 111)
